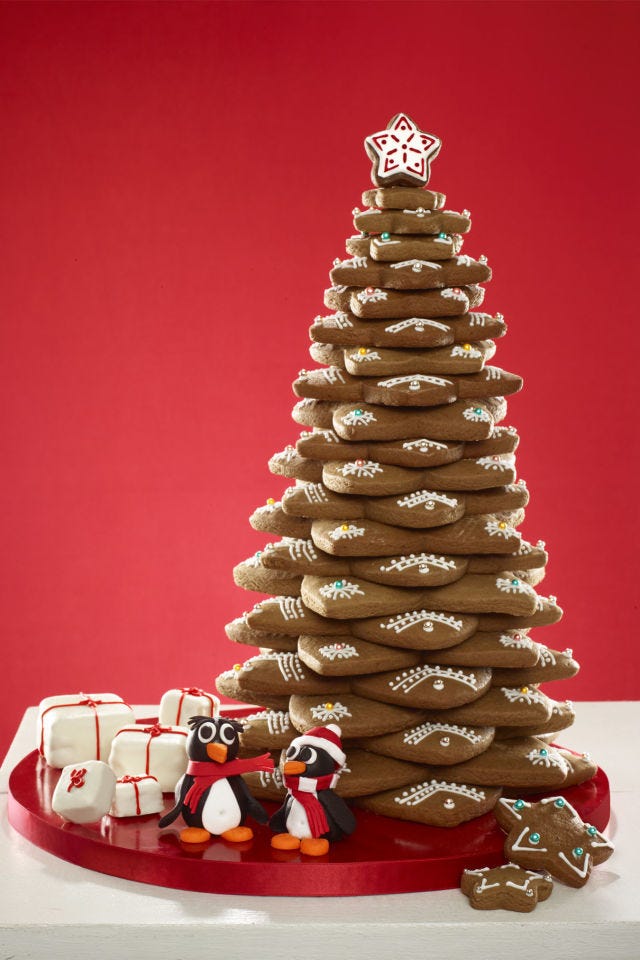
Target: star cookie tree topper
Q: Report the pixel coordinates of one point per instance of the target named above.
(402, 153)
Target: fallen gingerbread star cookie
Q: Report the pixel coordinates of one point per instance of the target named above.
(508, 887)
(550, 835)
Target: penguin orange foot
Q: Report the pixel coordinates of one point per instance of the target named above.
(194, 835)
(284, 841)
(238, 834)
(314, 846)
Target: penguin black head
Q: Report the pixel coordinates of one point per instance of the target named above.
(303, 760)
(213, 738)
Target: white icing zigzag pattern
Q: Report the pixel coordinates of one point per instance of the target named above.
(423, 791)
(403, 621)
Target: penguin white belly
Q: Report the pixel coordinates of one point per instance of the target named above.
(221, 810)
(297, 823)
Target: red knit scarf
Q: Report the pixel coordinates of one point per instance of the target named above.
(204, 776)
(314, 810)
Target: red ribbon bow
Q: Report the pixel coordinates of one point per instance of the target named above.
(156, 730)
(76, 779)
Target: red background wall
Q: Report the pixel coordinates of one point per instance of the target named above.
(177, 180)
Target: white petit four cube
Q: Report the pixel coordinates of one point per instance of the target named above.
(137, 797)
(80, 726)
(156, 749)
(84, 792)
(178, 705)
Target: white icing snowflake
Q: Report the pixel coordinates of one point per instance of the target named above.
(340, 590)
(416, 265)
(325, 712)
(517, 641)
(523, 695)
(365, 357)
(500, 528)
(338, 651)
(423, 445)
(353, 419)
(477, 414)
(347, 532)
(512, 585)
(418, 323)
(548, 757)
(455, 293)
(372, 295)
(427, 499)
(472, 353)
(360, 468)
(496, 463)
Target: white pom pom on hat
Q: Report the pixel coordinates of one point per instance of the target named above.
(324, 738)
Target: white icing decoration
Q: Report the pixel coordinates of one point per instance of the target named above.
(329, 436)
(423, 445)
(338, 288)
(365, 357)
(576, 869)
(422, 791)
(315, 493)
(464, 261)
(339, 320)
(349, 534)
(346, 591)
(333, 375)
(519, 643)
(403, 621)
(278, 721)
(502, 463)
(551, 759)
(408, 680)
(291, 608)
(416, 265)
(454, 293)
(267, 777)
(494, 529)
(471, 413)
(325, 713)
(516, 695)
(417, 734)
(493, 373)
(379, 242)
(524, 548)
(472, 353)
(338, 651)
(419, 323)
(426, 499)
(508, 586)
(353, 263)
(546, 657)
(530, 849)
(299, 549)
(421, 560)
(414, 378)
(363, 468)
(365, 418)
(373, 297)
(479, 319)
(419, 212)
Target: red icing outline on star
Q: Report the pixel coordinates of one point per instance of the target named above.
(403, 156)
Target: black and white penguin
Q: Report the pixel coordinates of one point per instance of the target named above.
(312, 814)
(212, 796)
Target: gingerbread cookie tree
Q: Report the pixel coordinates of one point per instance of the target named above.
(403, 592)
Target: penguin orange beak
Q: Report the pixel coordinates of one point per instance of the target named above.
(294, 767)
(217, 752)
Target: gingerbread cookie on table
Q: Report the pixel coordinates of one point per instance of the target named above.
(434, 801)
(550, 835)
(508, 887)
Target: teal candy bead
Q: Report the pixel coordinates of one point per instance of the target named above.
(385, 235)
(339, 584)
(358, 412)
(442, 236)
(515, 582)
(534, 837)
(543, 752)
(577, 852)
(518, 805)
(559, 802)
(478, 411)
(591, 831)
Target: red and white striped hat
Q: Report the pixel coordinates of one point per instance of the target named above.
(324, 738)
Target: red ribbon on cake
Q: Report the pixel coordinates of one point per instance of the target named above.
(155, 730)
(193, 692)
(135, 781)
(76, 779)
(86, 702)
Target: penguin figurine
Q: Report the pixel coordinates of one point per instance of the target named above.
(312, 814)
(212, 796)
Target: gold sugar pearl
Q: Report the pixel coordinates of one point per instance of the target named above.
(270, 501)
(524, 689)
(237, 666)
(362, 351)
(502, 525)
(466, 346)
(345, 526)
(328, 706)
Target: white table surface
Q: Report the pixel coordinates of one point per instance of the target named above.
(53, 909)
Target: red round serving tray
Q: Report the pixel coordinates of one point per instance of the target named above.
(382, 856)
